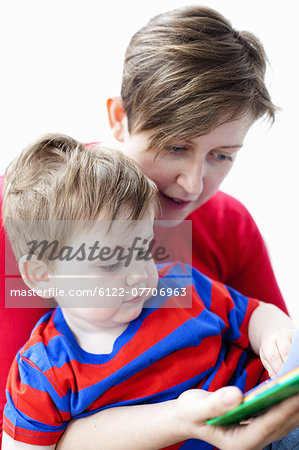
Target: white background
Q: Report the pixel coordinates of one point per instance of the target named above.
(61, 60)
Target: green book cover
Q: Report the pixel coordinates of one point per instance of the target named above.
(260, 398)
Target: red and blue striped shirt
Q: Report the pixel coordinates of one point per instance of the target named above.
(161, 354)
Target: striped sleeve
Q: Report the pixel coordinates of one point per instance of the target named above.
(32, 414)
(233, 308)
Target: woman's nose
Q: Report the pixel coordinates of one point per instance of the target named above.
(190, 179)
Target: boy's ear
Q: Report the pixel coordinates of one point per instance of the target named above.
(35, 274)
(117, 117)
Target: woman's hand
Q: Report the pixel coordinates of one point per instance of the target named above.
(158, 425)
(197, 406)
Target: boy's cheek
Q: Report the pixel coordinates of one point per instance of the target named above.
(154, 276)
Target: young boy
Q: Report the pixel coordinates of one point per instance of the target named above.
(116, 350)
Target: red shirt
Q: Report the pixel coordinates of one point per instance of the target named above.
(227, 246)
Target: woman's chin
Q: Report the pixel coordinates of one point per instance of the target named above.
(168, 223)
(169, 218)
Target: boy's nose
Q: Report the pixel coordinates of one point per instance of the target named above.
(136, 275)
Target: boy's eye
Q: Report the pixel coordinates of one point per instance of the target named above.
(112, 267)
(221, 157)
(142, 252)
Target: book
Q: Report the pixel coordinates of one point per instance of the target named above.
(256, 401)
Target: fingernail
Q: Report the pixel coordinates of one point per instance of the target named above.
(231, 397)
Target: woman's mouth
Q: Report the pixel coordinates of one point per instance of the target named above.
(174, 202)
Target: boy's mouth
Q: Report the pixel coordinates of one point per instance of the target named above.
(134, 300)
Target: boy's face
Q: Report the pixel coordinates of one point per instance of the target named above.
(107, 293)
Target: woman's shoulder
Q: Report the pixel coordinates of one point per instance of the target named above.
(223, 209)
(221, 203)
(225, 226)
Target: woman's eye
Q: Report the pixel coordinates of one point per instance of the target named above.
(222, 157)
(177, 149)
(112, 267)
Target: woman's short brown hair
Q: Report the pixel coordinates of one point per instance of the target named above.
(187, 71)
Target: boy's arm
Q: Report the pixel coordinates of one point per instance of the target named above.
(10, 444)
(270, 335)
(32, 413)
(152, 427)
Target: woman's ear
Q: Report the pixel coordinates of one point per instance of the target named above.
(35, 274)
(117, 117)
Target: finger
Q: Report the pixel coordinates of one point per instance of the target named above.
(220, 402)
(267, 366)
(263, 430)
(275, 424)
(284, 345)
(271, 358)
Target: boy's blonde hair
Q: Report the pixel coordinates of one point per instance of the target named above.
(59, 180)
(188, 71)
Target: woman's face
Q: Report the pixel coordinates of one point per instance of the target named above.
(187, 173)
